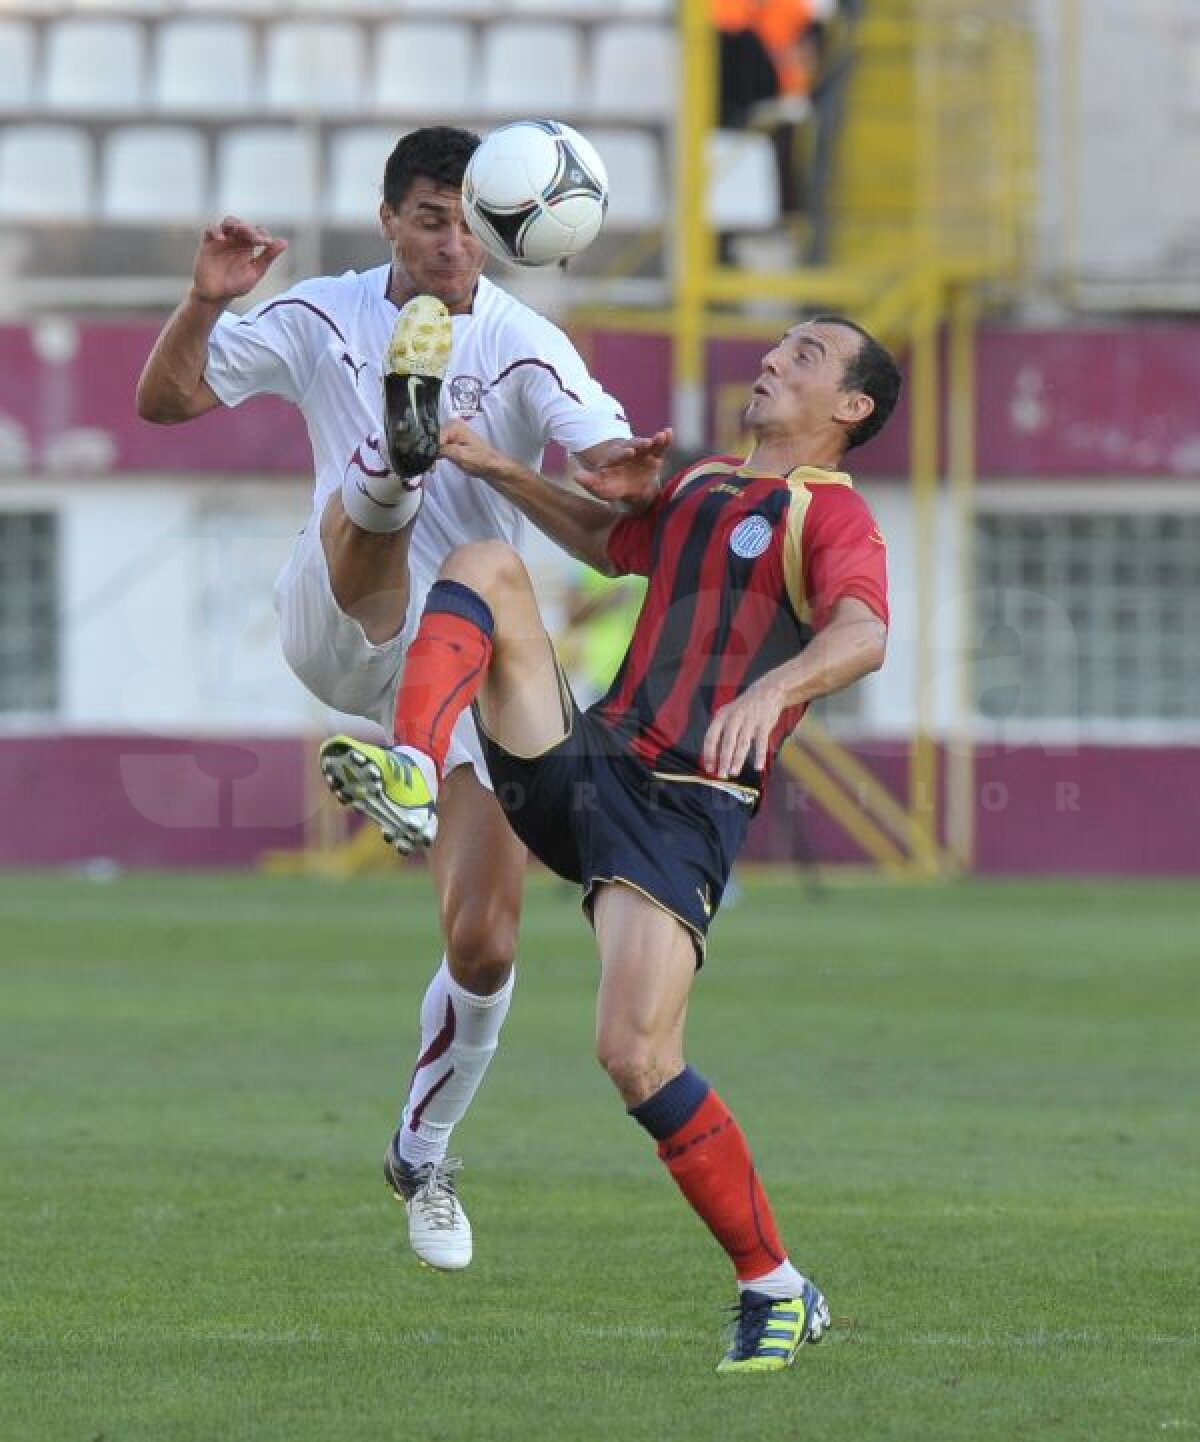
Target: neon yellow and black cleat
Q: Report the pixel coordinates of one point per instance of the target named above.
(413, 370)
(386, 786)
(768, 1331)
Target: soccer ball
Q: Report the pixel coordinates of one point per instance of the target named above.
(535, 192)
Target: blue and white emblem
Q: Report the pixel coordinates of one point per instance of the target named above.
(751, 537)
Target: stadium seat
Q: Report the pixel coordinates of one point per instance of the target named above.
(354, 186)
(16, 64)
(633, 70)
(334, 8)
(267, 173)
(315, 66)
(155, 173)
(95, 65)
(423, 66)
(45, 172)
(241, 7)
(531, 68)
(636, 196)
(743, 181)
(572, 9)
(204, 66)
(120, 7)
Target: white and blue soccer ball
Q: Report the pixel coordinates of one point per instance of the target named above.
(535, 192)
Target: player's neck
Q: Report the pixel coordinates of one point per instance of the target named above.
(401, 290)
(780, 454)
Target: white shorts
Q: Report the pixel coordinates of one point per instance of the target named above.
(331, 655)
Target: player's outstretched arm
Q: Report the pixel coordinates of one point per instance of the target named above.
(579, 524)
(626, 472)
(231, 259)
(852, 645)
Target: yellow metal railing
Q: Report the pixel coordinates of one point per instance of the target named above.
(933, 159)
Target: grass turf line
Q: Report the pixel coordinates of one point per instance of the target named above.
(973, 1106)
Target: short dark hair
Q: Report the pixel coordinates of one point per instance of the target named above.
(872, 371)
(435, 152)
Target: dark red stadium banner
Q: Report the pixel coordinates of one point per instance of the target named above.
(1116, 400)
(154, 801)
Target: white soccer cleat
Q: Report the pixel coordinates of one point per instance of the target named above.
(413, 370)
(421, 338)
(438, 1229)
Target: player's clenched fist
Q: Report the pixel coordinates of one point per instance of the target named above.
(231, 259)
(469, 451)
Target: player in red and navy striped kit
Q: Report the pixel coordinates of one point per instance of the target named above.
(767, 589)
(743, 569)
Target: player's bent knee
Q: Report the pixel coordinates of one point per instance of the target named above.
(484, 563)
(481, 945)
(636, 1071)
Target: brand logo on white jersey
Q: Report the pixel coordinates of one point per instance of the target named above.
(751, 537)
(466, 395)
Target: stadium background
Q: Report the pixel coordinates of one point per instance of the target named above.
(1007, 192)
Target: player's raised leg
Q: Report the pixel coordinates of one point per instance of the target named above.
(480, 635)
(647, 966)
(366, 526)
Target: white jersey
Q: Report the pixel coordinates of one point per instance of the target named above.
(513, 375)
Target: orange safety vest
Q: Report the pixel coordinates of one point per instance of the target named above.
(778, 24)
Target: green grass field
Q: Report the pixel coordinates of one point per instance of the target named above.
(976, 1108)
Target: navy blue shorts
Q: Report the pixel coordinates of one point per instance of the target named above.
(593, 812)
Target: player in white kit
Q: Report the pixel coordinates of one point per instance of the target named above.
(351, 594)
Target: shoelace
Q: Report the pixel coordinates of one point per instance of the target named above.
(435, 1193)
(750, 1322)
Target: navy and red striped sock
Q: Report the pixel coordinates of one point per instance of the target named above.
(704, 1149)
(444, 668)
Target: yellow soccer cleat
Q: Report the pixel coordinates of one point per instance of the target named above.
(386, 786)
(769, 1332)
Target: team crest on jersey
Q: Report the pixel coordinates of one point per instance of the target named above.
(466, 395)
(751, 537)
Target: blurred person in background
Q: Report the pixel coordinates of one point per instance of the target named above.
(601, 611)
(386, 511)
(769, 60)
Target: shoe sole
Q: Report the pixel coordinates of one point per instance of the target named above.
(413, 369)
(420, 344)
(356, 781)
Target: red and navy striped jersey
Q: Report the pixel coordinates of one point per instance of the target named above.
(743, 569)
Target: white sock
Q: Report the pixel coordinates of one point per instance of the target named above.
(459, 1033)
(784, 1282)
(373, 496)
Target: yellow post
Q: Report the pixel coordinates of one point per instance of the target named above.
(960, 754)
(922, 776)
(693, 256)
(1070, 40)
